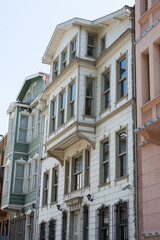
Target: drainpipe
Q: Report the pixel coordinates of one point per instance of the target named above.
(39, 180)
(134, 122)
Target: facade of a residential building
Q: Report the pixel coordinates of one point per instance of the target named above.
(4, 216)
(22, 159)
(147, 41)
(87, 177)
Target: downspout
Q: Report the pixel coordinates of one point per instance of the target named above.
(134, 122)
(36, 220)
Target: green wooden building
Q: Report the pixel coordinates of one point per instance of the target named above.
(20, 187)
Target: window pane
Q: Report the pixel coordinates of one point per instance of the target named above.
(123, 68)
(105, 151)
(106, 172)
(123, 167)
(24, 122)
(106, 81)
(54, 108)
(20, 170)
(56, 176)
(122, 142)
(18, 186)
(72, 92)
(89, 88)
(62, 100)
(107, 100)
(123, 88)
(22, 135)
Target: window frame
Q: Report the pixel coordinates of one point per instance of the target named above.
(91, 98)
(103, 43)
(29, 177)
(87, 167)
(120, 80)
(20, 162)
(73, 52)
(71, 102)
(67, 177)
(105, 92)
(52, 236)
(85, 221)
(62, 109)
(45, 188)
(64, 60)
(23, 114)
(103, 163)
(77, 176)
(54, 192)
(64, 224)
(53, 115)
(92, 46)
(119, 155)
(34, 91)
(42, 228)
(35, 173)
(102, 228)
(55, 68)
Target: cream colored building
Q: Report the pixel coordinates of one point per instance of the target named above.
(87, 177)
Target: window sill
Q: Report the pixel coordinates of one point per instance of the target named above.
(53, 203)
(105, 110)
(44, 206)
(121, 178)
(120, 99)
(75, 191)
(90, 57)
(89, 116)
(104, 184)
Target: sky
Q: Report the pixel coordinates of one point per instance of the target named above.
(26, 27)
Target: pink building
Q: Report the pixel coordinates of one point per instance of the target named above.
(147, 20)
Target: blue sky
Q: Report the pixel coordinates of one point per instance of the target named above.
(26, 27)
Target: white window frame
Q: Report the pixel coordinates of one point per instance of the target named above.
(77, 174)
(23, 162)
(29, 177)
(121, 80)
(92, 46)
(45, 189)
(64, 60)
(90, 98)
(26, 114)
(28, 96)
(54, 191)
(35, 171)
(71, 102)
(34, 90)
(73, 52)
(55, 68)
(6, 177)
(53, 114)
(105, 92)
(62, 109)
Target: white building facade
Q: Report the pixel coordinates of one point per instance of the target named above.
(87, 176)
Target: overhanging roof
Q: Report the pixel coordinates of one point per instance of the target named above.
(62, 27)
(26, 84)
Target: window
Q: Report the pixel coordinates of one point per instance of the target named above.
(77, 173)
(42, 231)
(34, 91)
(23, 128)
(73, 47)
(72, 100)
(67, 177)
(6, 186)
(104, 175)
(35, 174)
(29, 177)
(106, 90)
(62, 108)
(10, 138)
(104, 223)
(28, 97)
(64, 58)
(85, 222)
(64, 225)
(121, 221)
(55, 69)
(52, 229)
(121, 158)
(146, 77)
(91, 45)
(39, 123)
(30, 226)
(89, 108)
(19, 178)
(87, 167)
(103, 42)
(53, 116)
(33, 123)
(122, 78)
(54, 184)
(45, 188)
